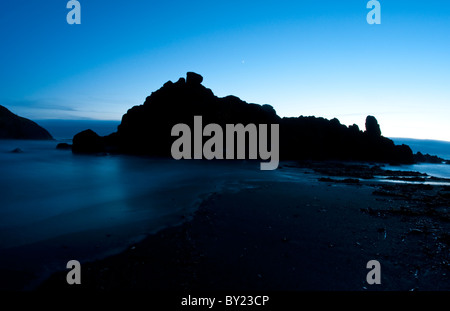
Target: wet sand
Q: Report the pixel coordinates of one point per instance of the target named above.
(291, 234)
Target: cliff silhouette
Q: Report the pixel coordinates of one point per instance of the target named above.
(146, 129)
(14, 127)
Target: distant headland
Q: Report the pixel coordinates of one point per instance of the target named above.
(14, 127)
(146, 129)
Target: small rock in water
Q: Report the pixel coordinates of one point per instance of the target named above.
(63, 146)
(17, 150)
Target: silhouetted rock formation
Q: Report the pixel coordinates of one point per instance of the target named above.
(193, 78)
(146, 129)
(87, 142)
(372, 127)
(14, 127)
(426, 158)
(311, 138)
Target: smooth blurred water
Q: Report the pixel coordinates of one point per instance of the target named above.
(56, 206)
(47, 192)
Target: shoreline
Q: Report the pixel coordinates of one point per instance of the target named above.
(289, 235)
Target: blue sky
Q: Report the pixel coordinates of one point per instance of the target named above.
(302, 57)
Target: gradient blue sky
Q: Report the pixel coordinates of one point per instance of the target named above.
(302, 57)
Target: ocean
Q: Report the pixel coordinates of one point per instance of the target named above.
(432, 147)
(64, 130)
(56, 206)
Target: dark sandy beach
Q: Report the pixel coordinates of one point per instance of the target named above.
(291, 234)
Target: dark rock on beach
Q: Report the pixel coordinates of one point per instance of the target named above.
(427, 158)
(311, 138)
(14, 127)
(372, 127)
(193, 78)
(146, 129)
(87, 142)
